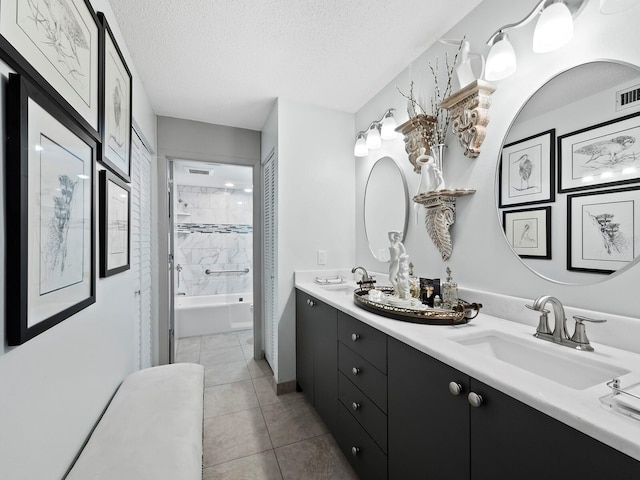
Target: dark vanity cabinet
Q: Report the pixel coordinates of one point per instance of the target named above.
(317, 355)
(435, 433)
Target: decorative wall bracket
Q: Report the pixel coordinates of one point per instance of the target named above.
(469, 108)
(417, 131)
(440, 214)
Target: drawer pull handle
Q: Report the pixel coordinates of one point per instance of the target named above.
(355, 337)
(455, 388)
(311, 303)
(355, 406)
(355, 451)
(475, 400)
(355, 371)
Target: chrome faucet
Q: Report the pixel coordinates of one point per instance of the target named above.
(560, 334)
(366, 280)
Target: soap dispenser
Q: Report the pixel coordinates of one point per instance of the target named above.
(449, 292)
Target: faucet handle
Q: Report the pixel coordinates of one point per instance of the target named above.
(580, 334)
(543, 323)
(580, 318)
(543, 310)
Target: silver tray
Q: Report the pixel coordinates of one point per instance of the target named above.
(462, 313)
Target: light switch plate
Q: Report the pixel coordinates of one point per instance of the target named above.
(322, 257)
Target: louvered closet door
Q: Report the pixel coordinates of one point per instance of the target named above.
(270, 178)
(141, 247)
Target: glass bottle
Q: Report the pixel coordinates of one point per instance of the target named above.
(449, 292)
(414, 283)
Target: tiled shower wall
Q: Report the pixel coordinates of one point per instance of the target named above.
(214, 230)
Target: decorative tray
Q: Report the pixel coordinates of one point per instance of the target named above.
(462, 313)
(623, 400)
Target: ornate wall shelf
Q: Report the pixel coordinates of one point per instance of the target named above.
(469, 108)
(440, 214)
(417, 131)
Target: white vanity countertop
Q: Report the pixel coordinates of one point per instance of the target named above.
(580, 409)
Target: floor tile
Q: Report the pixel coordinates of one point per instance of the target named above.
(290, 422)
(245, 337)
(226, 373)
(188, 350)
(247, 351)
(229, 398)
(259, 368)
(217, 356)
(233, 436)
(318, 458)
(187, 357)
(262, 466)
(219, 341)
(267, 395)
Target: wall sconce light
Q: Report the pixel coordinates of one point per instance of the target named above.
(371, 138)
(553, 30)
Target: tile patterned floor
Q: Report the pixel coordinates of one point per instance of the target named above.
(249, 432)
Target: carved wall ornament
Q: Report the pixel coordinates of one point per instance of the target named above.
(417, 131)
(440, 214)
(469, 109)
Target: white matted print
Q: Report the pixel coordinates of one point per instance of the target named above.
(528, 231)
(527, 171)
(604, 229)
(115, 213)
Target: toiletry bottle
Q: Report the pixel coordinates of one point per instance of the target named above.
(414, 283)
(437, 302)
(449, 292)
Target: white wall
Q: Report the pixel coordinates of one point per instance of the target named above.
(315, 206)
(481, 258)
(54, 387)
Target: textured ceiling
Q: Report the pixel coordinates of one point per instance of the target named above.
(226, 61)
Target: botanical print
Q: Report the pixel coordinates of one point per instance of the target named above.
(608, 153)
(57, 30)
(525, 233)
(525, 174)
(118, 225)
(608, 231)
(62, 229)
(117, 106)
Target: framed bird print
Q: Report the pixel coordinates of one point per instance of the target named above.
(528, 231)
(56, 42)
(115, 124)
(605, 154)
(527, 171)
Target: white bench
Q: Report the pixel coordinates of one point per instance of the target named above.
(152, 429)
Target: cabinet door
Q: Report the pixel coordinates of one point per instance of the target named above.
(512, 440)
(428, 426)
(325, 364)
(304, 344)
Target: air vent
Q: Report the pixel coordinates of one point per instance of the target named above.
(198, 171)
(628, 98)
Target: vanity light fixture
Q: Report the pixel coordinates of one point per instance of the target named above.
(611, 7)
(553, 30)
(372, 137)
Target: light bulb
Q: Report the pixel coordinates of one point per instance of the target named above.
(388, 129)
(373, 137)
(554, 28)
(501, 61)
(361, 150)
(610, 7)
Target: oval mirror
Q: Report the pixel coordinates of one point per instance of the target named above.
(386, 206)
(568, 178)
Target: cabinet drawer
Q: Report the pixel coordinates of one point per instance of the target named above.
(362, 374)
(365, 456)
(372, 419)
(368, 342)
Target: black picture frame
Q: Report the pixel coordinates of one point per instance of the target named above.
(115, 224)
(531, 162)
(603, 229)
(116, 105)
(49, 173)
(68, 69)
(528, 231)
(599, 155)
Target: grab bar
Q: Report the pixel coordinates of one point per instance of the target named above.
(211, 272)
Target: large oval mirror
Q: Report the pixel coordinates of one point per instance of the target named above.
(568, 178)
(386, 204)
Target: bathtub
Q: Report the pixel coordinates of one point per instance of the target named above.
(211, 314)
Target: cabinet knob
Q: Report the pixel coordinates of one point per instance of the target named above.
(311, 303)
(355, 370)
(455, 388)
(475, 400)
(355, 337)
(355, 451)
(355, 406)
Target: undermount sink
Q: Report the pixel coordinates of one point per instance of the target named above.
(341, 288)
(544, 360)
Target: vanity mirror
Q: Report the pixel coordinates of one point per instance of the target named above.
(386, 206)
(568, 177)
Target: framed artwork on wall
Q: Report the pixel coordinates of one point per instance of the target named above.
(49, 172)
(603, 229)
(116, 98)
(115, 224)
(56, 43)
(527, 171)
(528, 231)
(606, 154)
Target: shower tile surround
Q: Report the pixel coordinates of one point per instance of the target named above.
(213, 230)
